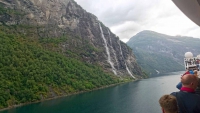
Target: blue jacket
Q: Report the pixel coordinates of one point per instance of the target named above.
(187, 102)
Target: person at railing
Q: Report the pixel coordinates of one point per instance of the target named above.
(195, 73)
(168, 104)
(179, 85)
(188, 100)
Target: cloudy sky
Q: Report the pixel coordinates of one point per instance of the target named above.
(126, 18)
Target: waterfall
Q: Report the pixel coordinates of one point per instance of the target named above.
(115, 56)
(125, 61)
(107, 51)
(109, 37)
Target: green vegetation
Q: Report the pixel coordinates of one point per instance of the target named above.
(53, 40)
(29, 72)
(9, 11)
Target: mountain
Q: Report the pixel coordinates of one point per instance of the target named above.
(158, 53)
(51, 48)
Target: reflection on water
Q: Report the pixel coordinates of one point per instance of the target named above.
(135, 97)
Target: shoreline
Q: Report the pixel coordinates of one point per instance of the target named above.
(75, 93)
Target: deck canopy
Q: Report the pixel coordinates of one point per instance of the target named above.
(191, 8)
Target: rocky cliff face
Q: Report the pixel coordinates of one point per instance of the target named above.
(86, 35)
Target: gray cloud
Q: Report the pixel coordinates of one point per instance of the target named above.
(126, 18)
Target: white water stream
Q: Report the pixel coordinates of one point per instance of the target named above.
(124, 60)
(115, 56)
(107, 51)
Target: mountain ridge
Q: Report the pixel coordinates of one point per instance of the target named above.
(151, 48)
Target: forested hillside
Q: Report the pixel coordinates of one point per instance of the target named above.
(79, 34)
(51, 48)
(29, 71)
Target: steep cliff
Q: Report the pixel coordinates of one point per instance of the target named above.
(54, 47)
(159, 53)
(87, 36)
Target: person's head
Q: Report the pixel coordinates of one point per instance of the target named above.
(195, 73)
(168, 104)
(190, 81)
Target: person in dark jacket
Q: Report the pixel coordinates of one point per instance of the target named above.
(188, 100)
(195, 73)
(197, 91)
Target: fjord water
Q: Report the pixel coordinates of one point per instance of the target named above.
(134, 97)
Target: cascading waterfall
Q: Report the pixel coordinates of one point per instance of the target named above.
(107, 50)
(109, 37)
(115, 56)
(124, 60)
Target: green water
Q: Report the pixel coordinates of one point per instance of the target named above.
(134, 97)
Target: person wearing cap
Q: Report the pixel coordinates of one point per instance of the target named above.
(188, 100)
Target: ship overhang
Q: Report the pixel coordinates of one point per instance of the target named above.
(191, 8)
